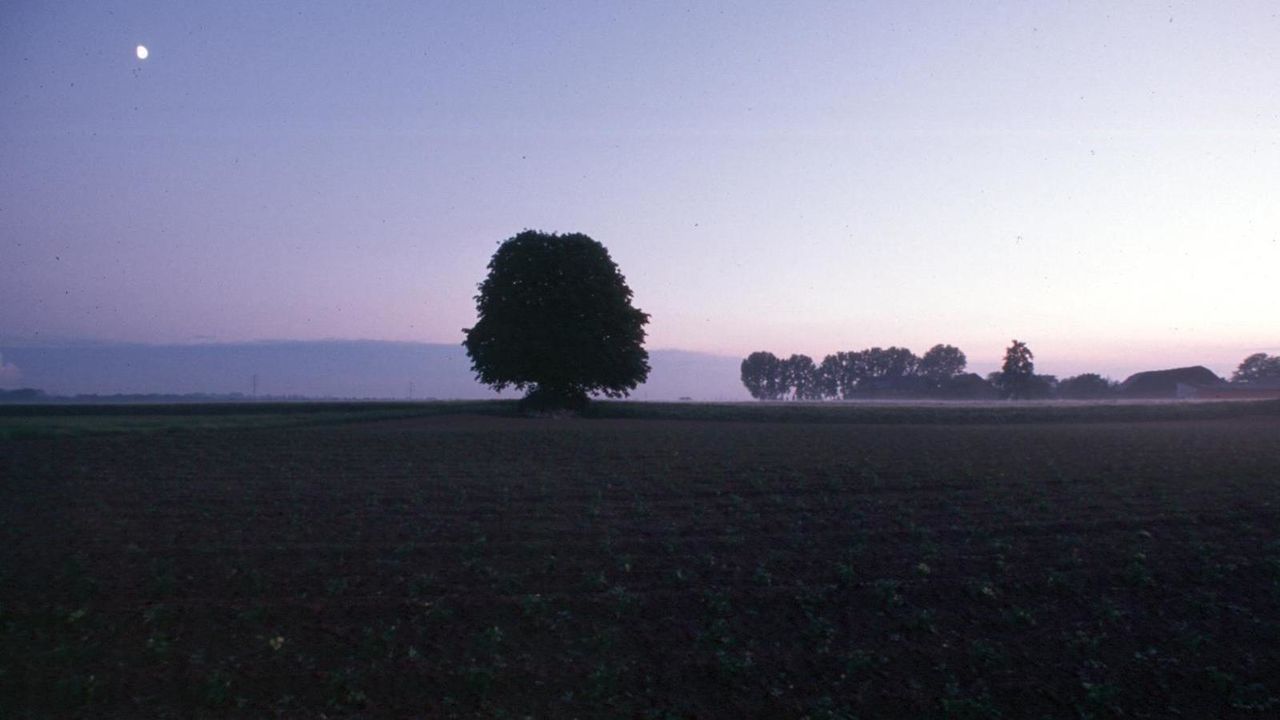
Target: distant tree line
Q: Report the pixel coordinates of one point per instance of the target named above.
(874, 372)
(896, 372)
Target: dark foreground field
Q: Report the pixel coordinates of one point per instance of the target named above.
(463, 565)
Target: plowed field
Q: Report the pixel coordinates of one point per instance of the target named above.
(464, 566)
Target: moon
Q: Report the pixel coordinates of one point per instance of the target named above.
(142, 52)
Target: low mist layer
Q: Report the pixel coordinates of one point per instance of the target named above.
(339, 369)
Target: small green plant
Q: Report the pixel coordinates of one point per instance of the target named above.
(960, 706)
(985, 654)
(217, 689)
(1137, 573)
(921, 620)
(1019, 617)
(886, 590)
(845, 572)
(762, 576)
(622, 601)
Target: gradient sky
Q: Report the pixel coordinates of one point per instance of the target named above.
(1098, 179)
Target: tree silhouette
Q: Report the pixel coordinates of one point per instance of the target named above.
(853, 372)
(889, 370)
(801, 377)
(762, 375)
(555, 318)
(828, 376)
(874, 372)
(1089, 386)
(1257, 368)
(1017, 372)
(941, 363)
(889, 363)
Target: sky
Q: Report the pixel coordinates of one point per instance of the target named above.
(1096, 179)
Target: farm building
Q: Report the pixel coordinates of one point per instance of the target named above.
(1159, 384)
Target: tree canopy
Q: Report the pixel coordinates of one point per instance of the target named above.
(897, 373)
(763, 376)
(1088, 386)
(942, 362)
(1017, 371)
(555, 318)
(1258, 367)
(801, 377)
(873, 372)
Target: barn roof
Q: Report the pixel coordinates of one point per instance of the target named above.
(1164, 383)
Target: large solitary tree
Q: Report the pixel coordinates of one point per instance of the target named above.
(555, 319)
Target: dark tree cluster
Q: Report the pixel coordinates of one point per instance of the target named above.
(1258, 368)
(874, 372)
(896, 372)
(1017, 378)
(1089, 386)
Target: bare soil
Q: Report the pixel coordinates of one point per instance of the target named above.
(466, 566)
